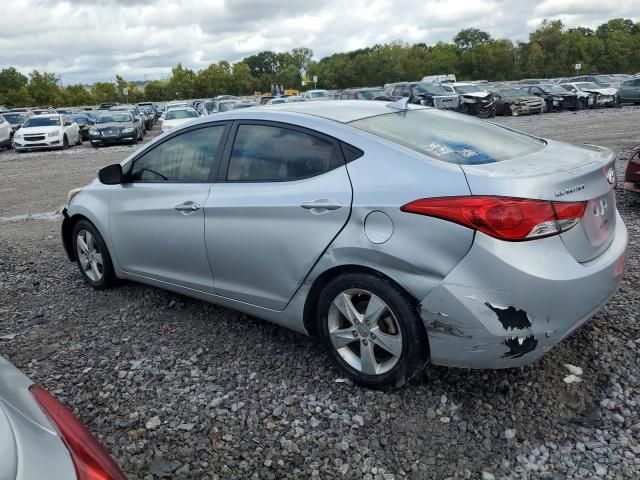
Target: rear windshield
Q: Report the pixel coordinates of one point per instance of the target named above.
(42, 122)
(429, 88)
(450, 137)
(180, 114)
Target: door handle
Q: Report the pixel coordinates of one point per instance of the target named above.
(318, 206)
(187, 207)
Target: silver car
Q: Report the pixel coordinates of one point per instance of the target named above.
(40, 438)
(397, 234)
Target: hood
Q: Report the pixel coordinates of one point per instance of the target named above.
(476, 94)
(560, 94)
(522, 98)
(166, 124)
(28, 130)
(602, 91)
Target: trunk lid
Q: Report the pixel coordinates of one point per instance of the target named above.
(561, 173)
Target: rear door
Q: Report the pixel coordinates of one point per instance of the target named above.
(157, 215)
(282, 196)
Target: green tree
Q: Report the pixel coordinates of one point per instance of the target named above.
(470, 37)
(44, 89)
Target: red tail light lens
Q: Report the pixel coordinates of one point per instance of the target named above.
(506, 218)
(90, 459)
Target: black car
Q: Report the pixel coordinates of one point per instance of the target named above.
(114, 127)
(555, 97)
(85, 122)
(375, 93)
(516, 101)
(428, 94)
(15, 119)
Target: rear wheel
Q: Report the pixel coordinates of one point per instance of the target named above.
(372, 330)
(92, 256)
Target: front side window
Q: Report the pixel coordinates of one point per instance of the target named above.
(263, 153)
(187, 157)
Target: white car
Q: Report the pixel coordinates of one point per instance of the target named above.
(596, 95)
(316, 95)
(5, 133)
(47, 131)
(175, 117)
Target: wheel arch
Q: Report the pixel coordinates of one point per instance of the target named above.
(311, 302)
(68, 223)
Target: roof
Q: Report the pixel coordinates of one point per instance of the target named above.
(343, 111)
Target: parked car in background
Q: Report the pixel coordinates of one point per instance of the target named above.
(113, 127)
(516, 101)
(85, 122)
(602, 80)
(137, 117)
(475, 99)
(3, 109)
(278, 212)
(148, 116)
(629, 91)
(593, 95)
(107, 105)
(20, 109)
(6, 133)
(152, 106)
(554, 96)
(41, 439)
(16, 119)
(312, 95)
(426, 94)
(632, 173)
(47, 131)
(277, 100)
(178, 116)
(43, 111)
(369, 93)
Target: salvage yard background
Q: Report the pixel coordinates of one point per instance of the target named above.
(179, 388)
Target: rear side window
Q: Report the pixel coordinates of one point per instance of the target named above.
(450, 137)
(263, 153)
(187, 157)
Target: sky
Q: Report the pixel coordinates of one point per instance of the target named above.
(87, 41)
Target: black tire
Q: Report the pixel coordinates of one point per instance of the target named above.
(415, 346)
(108, 278)
(65, 142)
(94, 145)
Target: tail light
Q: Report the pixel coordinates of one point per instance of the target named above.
(506, 218)
(90, 459)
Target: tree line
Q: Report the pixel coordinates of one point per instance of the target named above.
(552, 51)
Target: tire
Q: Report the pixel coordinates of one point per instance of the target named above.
(90, 253)
(94, 145)
(79, 141)
(65, 142)
(397, 325)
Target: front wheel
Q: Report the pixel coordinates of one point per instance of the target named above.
(92, 256)
(65, 142)
(372, 330)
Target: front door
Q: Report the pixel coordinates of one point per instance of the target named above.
(157, 215)
(283, 196)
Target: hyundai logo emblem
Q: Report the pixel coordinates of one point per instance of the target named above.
(611, 176)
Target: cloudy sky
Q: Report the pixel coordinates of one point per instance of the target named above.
(87, 41)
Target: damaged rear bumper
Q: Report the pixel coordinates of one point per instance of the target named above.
(506, 304)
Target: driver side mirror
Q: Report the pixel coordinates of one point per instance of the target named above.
(111, 174)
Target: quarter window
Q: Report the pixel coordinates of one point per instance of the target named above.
(263, 153)
(187, 157)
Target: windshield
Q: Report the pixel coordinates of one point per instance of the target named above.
(14, 117)
(42, 122)
(180, 114)
(318, 94)
(372, 94)
(468, 89)
(553, 88)
(114, 118)
(429, 88)
(450, 137)
(587, 86)
(513, 92)
(81, 118)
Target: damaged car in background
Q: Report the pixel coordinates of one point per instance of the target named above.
(485, 248)
(592, 95)
(475, 99)
(555, 97)
(632, 173)
(516, 101)
(426, 94)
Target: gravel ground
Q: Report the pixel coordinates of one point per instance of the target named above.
(177, 388)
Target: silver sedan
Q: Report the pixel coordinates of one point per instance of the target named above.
(397, 234)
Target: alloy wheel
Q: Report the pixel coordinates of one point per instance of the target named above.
(364, 331)
(89, 255)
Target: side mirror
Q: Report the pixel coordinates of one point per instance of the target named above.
(111, 174)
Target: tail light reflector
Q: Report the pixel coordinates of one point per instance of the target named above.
(506, 218)
(90, 459)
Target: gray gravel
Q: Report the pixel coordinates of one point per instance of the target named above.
(177, 388)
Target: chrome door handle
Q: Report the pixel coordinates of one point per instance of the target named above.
(187, 207)
(321, 205)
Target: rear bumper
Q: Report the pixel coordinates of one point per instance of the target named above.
(507, 304)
